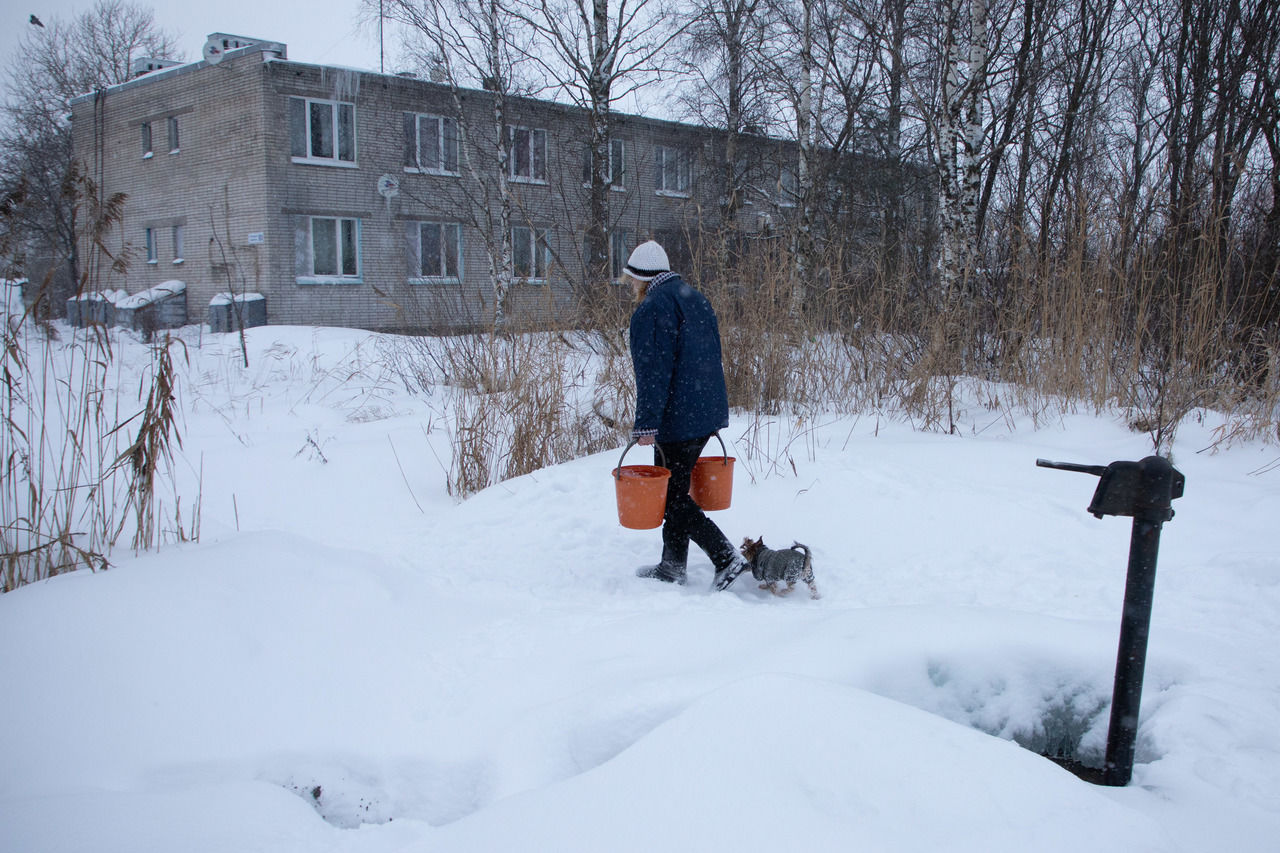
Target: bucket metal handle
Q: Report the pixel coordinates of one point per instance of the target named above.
(724, 453)
(630, 444)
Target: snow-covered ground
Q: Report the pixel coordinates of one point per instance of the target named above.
(351, 660)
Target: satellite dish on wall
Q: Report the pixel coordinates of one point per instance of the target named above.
(212, 51)
(388, 186)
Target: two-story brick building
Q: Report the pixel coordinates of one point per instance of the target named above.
(348, 197)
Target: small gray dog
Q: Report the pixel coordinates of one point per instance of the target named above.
(793, 564)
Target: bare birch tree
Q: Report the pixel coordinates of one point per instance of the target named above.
(595, 52)
(475, 43)
(723, 59)
(794, 72)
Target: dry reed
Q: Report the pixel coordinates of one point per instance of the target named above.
(68, 484)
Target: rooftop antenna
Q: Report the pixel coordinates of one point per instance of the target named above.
(381, 63)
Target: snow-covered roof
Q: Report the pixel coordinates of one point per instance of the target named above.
(226, 298)
(272, 49)
(161, 291)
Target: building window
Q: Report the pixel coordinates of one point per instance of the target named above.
(619, 251)
(328, 249)
(435, 250)
(431, 143)
(617, 165)
(177, 244)
(530, 252)
(322, 131)
(146, 140)
(528, 156)
(150, 239)
(788, 187)
(173, 134)
(671, 167)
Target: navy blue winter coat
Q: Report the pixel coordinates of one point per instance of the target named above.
(675, 350)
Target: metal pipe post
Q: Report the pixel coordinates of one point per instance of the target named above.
(1150, 504)
(1145, 491)
(1131, 659)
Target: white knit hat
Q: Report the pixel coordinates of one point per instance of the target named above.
(647, 261)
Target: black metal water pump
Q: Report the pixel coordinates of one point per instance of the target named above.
(1144, 491)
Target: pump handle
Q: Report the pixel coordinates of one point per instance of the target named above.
(1095, 470)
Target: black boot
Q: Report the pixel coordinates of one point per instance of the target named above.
(665, 571)
(728, 574)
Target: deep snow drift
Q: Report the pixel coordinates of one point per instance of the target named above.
(350, 660)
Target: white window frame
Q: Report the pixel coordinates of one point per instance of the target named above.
(307, 273)
(448, 165)
(149, 240)
(450, 233)
(535, 244)
(617, 165)
(177, 244)
(620, 244)
(148, 150)
(335, 111)
(172, 126)
(673, 172)
(535, 154)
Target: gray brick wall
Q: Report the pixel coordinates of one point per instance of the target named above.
(238, 196)
(213, 187)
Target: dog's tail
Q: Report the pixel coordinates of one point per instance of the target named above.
(808, 561)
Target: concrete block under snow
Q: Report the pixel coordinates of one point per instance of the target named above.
(229, 312)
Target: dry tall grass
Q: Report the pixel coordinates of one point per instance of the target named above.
(1160, 334)
(1164, 334)
(73, 482)
(520, 401)
(1156, 337)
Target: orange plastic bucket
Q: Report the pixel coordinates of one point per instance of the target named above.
(641, 493)
(711, 484)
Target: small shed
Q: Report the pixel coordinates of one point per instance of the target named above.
(231, 312)
(161, 307)
(94, 309)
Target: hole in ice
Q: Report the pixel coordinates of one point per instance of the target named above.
(1050, 709)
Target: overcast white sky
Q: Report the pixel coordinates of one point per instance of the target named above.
(315, 31)
(324, 31)
(321, 31)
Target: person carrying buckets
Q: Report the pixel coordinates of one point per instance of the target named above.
(681, 401)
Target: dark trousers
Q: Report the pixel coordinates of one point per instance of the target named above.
(683, 519)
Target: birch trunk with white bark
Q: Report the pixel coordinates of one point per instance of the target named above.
(960, 139)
